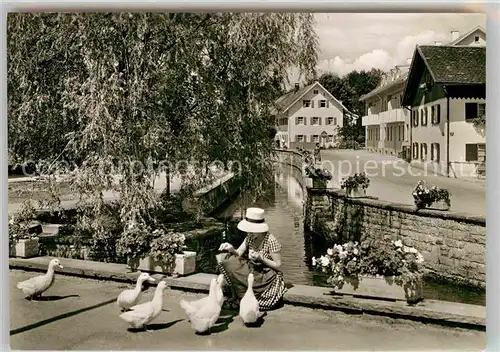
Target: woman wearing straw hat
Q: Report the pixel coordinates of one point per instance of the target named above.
(259, 253)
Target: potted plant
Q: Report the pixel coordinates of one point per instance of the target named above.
(319, 176)
(435, 197)
(374, 266)
(167, 254)
(135, 243)
(355, 185)
(23, 232)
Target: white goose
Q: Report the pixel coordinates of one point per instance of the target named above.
(140, 315)
(249, 306)
(203, 319)
(191, 307)
(37, 285)
(130, 297)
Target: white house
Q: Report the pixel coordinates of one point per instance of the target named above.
(308, 115)
(446, 90)
(387, 122)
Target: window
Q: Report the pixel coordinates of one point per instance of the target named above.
(436, 114)
(423, 151)
(474, 110)
(435, 152)
(423, 116)
(415, 150)
(329, 120)
(283, 121)
(330, 139)
(415, 118)
(335, 121)
(307, 103)
(315, 138)
(315, 91)
(315, 121)
(300, 120)
(300, 138)
(476, 38)
(323, 104)
(475, 152)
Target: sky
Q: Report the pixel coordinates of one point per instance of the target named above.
(360, 41)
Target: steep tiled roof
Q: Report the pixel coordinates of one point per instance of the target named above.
(455, 64)
(385, 87)
(286, 100)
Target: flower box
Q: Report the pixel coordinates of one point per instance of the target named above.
(319, 183)
(382, 288)
(439, 205)
(185, 264)
(356, 192)
(25, 248)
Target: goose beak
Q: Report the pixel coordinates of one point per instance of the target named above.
(62, 267)
(151, 279)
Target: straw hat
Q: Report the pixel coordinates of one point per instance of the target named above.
(254, 221)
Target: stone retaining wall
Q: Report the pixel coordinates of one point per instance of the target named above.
(453, 244)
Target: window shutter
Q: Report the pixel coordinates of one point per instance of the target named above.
(312, 103)
(327, 103)
(470, 110)
(296, 120)
(319, 120)
(305, 120)
(438, 114)
(471, 152)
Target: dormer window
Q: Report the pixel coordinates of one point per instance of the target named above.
(476, 39)
(315, 91)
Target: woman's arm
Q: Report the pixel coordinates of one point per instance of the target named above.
(241, 249)
(273, 264)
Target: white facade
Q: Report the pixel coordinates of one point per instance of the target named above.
(312, 117)
(467, 142)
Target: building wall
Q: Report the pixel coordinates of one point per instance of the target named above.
(470, 40)
(307, 129)
(461, 133)
(453, 245)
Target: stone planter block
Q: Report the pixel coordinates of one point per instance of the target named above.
(357, 193)
(26, 248)
(319, 183)
(185, 264)
(439, 205)
(382, 288)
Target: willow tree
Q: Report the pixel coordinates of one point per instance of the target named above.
(154, 90)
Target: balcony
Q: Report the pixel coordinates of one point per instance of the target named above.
(282, 128)
(395, 115)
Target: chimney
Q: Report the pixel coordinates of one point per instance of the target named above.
(408, 61)
(454, 35)
(297, 86)
(438, 43)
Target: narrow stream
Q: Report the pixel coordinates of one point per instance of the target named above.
(284, 214)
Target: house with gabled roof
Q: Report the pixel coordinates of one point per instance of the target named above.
(446, 92)
(308, 115)
(386, 120)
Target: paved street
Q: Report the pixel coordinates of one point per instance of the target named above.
(83, 315)
(393, 180)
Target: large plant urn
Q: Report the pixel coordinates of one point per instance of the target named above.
(384, 288)
(185, 264)
(319, 183)
(439, 205)
(357, 192)
(25, 248)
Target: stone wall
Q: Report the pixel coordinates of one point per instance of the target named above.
(453, 244)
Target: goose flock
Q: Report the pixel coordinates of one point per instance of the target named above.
(202, 313)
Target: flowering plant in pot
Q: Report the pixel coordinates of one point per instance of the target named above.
(135, 243)
(391, 262)
(23, 232)
(355, 185)
(165, 247)
(435, 197)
